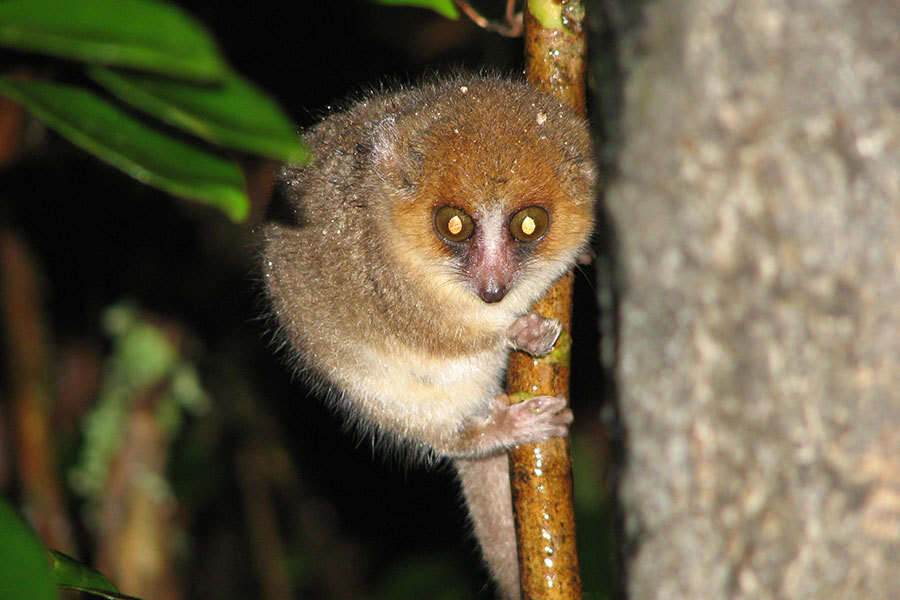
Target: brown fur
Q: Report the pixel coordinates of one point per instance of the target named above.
(377, 304)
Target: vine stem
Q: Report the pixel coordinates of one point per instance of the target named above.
(541, 473)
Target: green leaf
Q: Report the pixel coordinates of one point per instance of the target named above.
(234, 114)
(140, 34)
(91, 122)
(69, 574)
(445, 8)
(24, 570)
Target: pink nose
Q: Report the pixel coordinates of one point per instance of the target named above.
(492, 291)
(491, 265)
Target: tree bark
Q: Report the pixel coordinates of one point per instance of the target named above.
(760, 238)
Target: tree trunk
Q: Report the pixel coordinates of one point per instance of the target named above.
(758, 209)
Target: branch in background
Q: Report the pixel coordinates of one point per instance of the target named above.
(147, 384)
(12, 124)
(30, 399)
(135, 542)
(137, 510)
(541, 474)
(341, 578)
(78, 373)
(267, 474)
(267, 545)
(512, 27)
(5, 448)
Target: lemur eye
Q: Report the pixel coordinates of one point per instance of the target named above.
(529, 224)
(453, 224)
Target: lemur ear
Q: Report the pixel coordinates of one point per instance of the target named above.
(578, 167)
(395, 158)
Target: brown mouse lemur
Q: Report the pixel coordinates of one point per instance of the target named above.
(402, 273)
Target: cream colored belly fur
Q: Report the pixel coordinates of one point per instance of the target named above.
(420, 394)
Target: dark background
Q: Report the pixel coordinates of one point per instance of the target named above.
(98, 238)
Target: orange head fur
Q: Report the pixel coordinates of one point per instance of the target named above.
(477, 150)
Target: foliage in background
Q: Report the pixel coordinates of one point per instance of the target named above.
(444, 8)
(69, 574)
(24, 570)
(155, 58)
(142, 358)
(29, 571)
